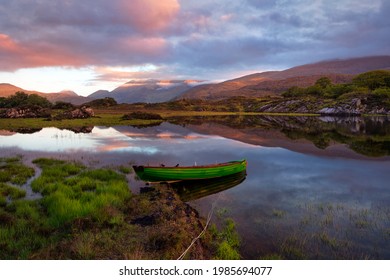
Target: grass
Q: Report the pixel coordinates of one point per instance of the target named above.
(71, 192)
(125, 169)
(19, 219)
(89, 213)
(13, 171)
(113, 116)
(227, 241)
(11, 192)
(102, 120)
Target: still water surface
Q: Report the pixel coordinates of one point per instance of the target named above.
(315, 188)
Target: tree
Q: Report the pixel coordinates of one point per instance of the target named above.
(22, 99)
(18, 99)
(3, 102)
(323, 82)
(34, 99)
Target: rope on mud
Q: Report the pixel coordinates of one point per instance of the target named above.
(203, 231)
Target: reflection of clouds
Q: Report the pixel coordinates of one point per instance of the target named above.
(57, 140)
(113, 146)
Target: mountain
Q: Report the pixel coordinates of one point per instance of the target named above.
(65, 96)
(148, 91)
(99, 94)
(8, 89)
(275, 82)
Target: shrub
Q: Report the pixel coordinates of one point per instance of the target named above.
(373, 79)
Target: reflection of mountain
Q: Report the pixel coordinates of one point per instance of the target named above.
(369, 136)
(196, 189)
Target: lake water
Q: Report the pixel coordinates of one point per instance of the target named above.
(315, 187)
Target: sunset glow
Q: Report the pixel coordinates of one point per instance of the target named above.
(85, 46)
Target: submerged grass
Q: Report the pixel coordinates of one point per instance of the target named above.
(329, 231)
(227, 241)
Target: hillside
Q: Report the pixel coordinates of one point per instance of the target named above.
(65, 96)
(8, 89)
(148, 91)
(275, 82)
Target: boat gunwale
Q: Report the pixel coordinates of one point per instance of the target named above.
(216, 165)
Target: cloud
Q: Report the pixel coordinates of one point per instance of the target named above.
(199, 38)
(79, 33)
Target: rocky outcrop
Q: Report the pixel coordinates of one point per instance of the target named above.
(25, 112)
(83, 112)
(352, 107)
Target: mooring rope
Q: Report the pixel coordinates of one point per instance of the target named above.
(204, 229)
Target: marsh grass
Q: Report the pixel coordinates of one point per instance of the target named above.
(11, 192)
(71, 191)
(125, 169)
(13, 171)
(90, 213)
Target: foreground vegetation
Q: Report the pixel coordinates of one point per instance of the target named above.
(91, 214)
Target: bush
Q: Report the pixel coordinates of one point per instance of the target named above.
(103, 102)
(382, 92)
(21, 99)
(373, 79)
(323, 82)
(294, 92)
(63, 105)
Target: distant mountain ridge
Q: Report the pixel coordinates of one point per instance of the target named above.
(275, 82)
(263, 84)
(147, 91)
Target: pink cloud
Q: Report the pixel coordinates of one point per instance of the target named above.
(16, 55)
(149, 15)
(80, 33)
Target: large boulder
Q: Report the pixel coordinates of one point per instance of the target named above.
(83, 112)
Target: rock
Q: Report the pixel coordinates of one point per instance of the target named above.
(83, 112)
(26, 112)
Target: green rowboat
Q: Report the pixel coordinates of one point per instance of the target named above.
(163, 173)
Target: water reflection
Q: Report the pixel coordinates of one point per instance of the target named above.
(368, 136)
(189, 191)
(316, 187)
(196, 189)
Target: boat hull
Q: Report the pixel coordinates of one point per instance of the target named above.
(154, 173)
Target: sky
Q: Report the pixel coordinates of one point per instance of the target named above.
(54, 45)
